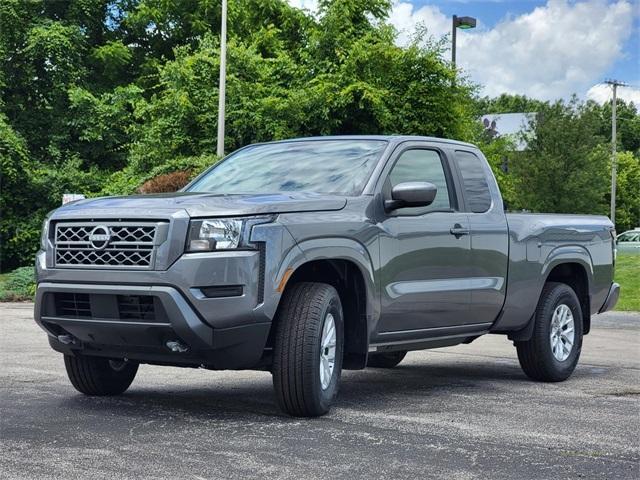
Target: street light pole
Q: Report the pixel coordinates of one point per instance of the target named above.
(614, 153)
(222, 81)
(454, 29)
(464, 23)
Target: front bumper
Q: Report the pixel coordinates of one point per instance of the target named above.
(612, 298)
(105, 334)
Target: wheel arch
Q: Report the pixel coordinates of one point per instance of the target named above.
(574, 274)
(570, 265)
(345, 264)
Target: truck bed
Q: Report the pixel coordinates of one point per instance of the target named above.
(540, 242)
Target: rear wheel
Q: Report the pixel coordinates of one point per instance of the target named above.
(385, 360)
(552, 353)
(99, 376)
(308, 349)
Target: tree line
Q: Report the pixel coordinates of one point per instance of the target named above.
(98, 97)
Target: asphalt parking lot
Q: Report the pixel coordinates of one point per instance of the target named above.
(464, 412)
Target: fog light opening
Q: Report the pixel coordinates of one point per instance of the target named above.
(221, 291)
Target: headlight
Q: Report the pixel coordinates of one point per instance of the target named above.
(211, 234)
(214, 234)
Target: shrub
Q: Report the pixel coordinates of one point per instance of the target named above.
(18, 285)
(165, 183)
(131, 179)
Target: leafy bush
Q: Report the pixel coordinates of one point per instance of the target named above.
(166, 183)
(18, 285)
(131, 179)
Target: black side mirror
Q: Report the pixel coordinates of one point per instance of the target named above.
(411, 194)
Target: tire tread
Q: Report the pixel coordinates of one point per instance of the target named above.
(301, 312)
(532, 354)
(94, 376)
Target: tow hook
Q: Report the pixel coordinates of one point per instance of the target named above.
(176, 346)
(66, 339)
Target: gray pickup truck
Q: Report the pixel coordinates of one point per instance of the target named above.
(305, 257)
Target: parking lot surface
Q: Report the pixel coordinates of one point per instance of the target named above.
(464, 412)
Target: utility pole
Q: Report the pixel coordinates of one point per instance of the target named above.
(223, 80)
(614, 154)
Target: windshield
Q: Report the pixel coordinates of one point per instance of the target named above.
(320, 166)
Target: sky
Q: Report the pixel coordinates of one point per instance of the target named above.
(545, 49)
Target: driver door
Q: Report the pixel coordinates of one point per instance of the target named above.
(425, 252)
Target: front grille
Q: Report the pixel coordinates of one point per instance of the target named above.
(136, 308)
(73, 305)
(106, 244)
(92, 306)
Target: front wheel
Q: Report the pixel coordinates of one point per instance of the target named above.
(308, 349)
(552, 353)
(99, 376)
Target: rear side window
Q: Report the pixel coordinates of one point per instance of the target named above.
(474, 182)
(422, 166)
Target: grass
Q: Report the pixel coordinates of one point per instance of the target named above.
(17, 286)
(628, 276)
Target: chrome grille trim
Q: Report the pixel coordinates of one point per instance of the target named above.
(132, 245)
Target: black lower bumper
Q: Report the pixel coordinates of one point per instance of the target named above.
(236, 348)
(142, 323)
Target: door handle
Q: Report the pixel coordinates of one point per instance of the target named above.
(458, 230)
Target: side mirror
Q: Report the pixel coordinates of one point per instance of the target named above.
(411, 194)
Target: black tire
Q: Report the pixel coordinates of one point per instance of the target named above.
(296, 362)
(385, 360)
(536, 355)
(99, 376)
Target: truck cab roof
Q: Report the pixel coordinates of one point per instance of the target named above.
(387, 138)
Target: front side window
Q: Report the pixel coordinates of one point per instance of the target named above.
(474, 182)
(422, 166)
(316, 166)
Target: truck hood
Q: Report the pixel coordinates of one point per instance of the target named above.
(201, 204)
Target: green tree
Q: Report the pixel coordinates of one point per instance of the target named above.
(29, 191)
(627, 124)
(363, 84)
(507, 103)
(562, 170)
(628, 192)
(100, 125)
(14, 185)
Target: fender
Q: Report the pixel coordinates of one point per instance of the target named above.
(516, 318)
(340, 248)
(334, 248)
